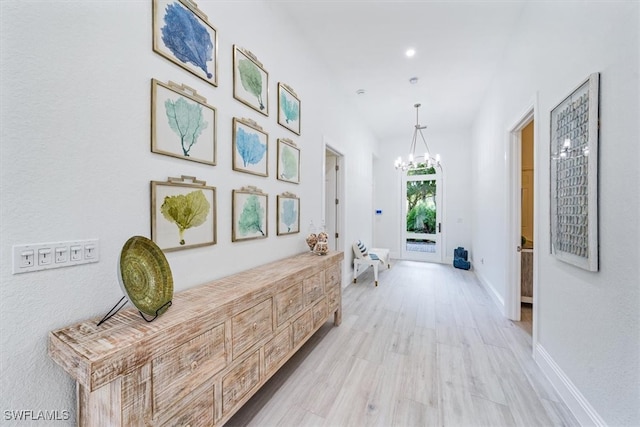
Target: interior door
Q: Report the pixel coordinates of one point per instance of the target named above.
(421, 214)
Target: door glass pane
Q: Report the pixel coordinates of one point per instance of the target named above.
(421, 216)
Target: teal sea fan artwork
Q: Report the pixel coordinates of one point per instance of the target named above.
(251, 79)
(187, 38)
(252, 217)
(289, 213)
(186, 211)
(290, 107)
(186, 120)
(289, 163)
(249, 147)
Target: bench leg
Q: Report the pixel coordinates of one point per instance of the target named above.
(375, 273)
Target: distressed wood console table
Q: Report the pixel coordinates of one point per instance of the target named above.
(198, 363)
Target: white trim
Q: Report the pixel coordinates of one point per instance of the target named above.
(569, 393)
(495, 295)
(513, 160)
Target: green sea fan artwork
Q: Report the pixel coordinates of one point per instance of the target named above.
(186, 120)
(289, 163)
(289, 107)
(252, 216)
(186, 211)
(251, 79)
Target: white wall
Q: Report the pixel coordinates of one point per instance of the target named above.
(454, 146)
(588, 322)
(76, 163)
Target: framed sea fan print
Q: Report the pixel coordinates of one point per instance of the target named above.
(250, 147)
(288, 214)
(183, 213)
(183, 125)
(249, 211)
(288, 108)
(288, 161)
(250, 80)
(183, 35)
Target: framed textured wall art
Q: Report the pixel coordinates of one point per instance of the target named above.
(288, 168)
(574, 176)
(183, 125)
(250, 147)
(183, 213)
(249, 211)
(250, 80)
(288, 108)
(183, 35)
(288, 214)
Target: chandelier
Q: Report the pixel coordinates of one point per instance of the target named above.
(420, 161)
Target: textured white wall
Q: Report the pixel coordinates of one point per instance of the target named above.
(76, 162)
(588, 322)
(454, 146)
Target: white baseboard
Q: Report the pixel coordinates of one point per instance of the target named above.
(569, 393)
(495, 296)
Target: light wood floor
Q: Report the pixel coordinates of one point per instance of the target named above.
(427, 347)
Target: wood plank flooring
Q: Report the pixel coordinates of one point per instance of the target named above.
(427, 347)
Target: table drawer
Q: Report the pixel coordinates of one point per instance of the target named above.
(333, 275)
(199, 412)
(319, 311)
(313, 288)
(239, 381)
(178, 372)
(288, 303)
(334, 297)
(251, 326)
(302, 326)
(277, 349)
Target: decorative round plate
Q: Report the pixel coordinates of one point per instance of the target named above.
(145, 276)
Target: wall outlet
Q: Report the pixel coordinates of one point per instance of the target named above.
(44, 256)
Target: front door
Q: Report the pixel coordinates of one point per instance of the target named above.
(422, 226)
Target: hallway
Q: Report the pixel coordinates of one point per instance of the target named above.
(427, 347)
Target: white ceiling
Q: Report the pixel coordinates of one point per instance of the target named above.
(459, 45)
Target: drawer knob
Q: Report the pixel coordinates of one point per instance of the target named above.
(255, 326)
(291, 301)
(194, 365)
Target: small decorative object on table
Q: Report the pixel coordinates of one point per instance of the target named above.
(322, 246)
(312, 239)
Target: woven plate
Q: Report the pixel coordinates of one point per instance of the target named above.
(145, 275)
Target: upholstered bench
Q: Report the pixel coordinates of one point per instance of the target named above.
(373, 257)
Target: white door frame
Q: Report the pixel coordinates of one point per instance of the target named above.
(340, 241)
(514, 211)
(416, 256)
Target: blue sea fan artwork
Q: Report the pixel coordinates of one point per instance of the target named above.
(289, 213)
(186, 37)
(249, 147)
(289, 107)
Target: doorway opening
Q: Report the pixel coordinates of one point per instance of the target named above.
(520, 302)
(421, 215)
(333, 191)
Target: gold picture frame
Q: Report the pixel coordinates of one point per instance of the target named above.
(250, 80)
(288, 214)
(183, 125)
(250, 214)
(183, 35)
(183, 213)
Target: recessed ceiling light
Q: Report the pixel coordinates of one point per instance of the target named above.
(413, 80)
(410, 53)
(360, 91)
